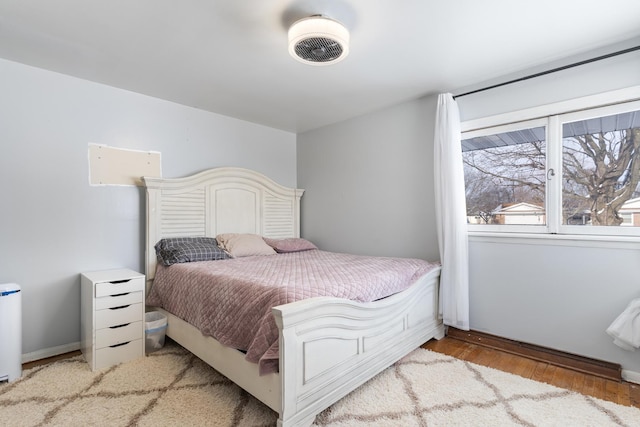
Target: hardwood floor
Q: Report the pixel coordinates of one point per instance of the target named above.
(623, 393)
(35, 363)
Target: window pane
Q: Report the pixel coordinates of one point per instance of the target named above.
(505, 177)
(601, 171)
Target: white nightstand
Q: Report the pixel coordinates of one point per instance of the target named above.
(112, 316)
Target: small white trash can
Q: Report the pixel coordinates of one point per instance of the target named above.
(155, 327)
(10, 332)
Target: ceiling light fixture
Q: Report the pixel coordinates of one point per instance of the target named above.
(318, 40)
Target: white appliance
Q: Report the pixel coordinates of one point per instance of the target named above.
(10, 332)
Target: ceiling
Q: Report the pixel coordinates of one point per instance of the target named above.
(230, 56)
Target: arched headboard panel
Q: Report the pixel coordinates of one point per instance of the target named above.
(221, 200)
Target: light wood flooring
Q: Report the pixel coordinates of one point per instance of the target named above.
(623, 393)
(29, 365)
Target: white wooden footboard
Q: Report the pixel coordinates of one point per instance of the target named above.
(330, 346)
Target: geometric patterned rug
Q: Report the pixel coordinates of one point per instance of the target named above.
(171, 387)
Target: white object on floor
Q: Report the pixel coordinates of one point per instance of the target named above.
(10, 332)
(155, 327)
(625, 330)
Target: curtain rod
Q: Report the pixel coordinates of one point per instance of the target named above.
(553, 70)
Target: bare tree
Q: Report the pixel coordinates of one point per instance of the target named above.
(601, 171)
(498, 176)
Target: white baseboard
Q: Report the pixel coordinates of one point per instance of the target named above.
(49, 352)
(631, 376)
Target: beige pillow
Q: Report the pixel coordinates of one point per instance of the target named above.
(241, 245)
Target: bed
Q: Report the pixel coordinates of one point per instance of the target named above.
(327, 346)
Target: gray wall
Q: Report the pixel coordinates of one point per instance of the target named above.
(370, 190)
(369, 183)
(53, 225)
(562, 297)
(606, 75)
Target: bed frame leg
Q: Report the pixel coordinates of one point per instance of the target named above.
(302, 423)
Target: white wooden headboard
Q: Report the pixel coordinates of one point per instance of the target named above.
(221, 200)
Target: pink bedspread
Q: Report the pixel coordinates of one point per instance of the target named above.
(231, 300)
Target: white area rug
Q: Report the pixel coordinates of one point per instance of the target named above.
(171, 387)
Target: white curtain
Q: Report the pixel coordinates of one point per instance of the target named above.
(451, 215)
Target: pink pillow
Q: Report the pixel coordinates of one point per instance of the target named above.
(293, 244)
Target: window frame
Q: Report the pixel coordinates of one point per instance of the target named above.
(510, 127)
(552, 116)
(586, 114)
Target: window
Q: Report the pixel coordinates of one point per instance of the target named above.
(505, 175)
(600, 167)
(574, 173)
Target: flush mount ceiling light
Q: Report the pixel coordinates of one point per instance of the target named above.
(318, 40)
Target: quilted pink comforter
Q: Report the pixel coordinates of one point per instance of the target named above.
(231, 300)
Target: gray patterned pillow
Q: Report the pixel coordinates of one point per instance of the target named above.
(174, 250)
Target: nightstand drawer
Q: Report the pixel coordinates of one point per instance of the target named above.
(118, 334)
(119, 315)
(119, 286)
(108, 356)
(118, 300)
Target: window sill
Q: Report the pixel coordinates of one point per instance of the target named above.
(583, 241)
